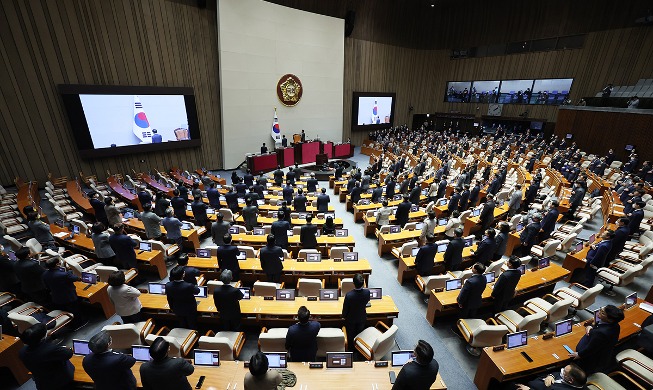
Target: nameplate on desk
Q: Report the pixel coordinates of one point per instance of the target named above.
(300, 260)
(381, 364)
(268, 298)
(547, 336)
(497, 348)
(438, 290)
(337, 260)
(315, 365)
(310, 299)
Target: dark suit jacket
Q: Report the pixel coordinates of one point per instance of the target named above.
(618, 241)
(453, 256)
(183, 191)
(636, 218)
(403, 212)
(504, 288)
(144, 197)
(228, 259)
(248, 179)
(271, 259)
(470, 294)
(425, 259)
(548, 223)
(453, 202)
(415, 376)
(301, 341)
(232, 200)
(278, 176)
(307, 236)
(356, 194)
(199, 212)
(123, 246)
(299, 203)
(487, 215)
(528, 236)
(181, 297)
(214, 197)
(595, 349)
(473, 195)
(290, 175)
(29, 273)
(377, 193)
(227, 301)
(323, 202)
(110, 370)
(596, 257)
(353, 307)
(390, 189)
(287, 193)
(100, 214)
(280, 231)
(538, 384)
(485, 250)
(415, 195)
(179, 206)
(61, 285)
(311, 185)
(168, 374)
(50, 365)
(191, 274)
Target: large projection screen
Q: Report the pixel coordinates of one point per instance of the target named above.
(260, 42)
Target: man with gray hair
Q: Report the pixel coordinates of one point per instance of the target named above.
(173, 228)
(108, 369)
(227, 302)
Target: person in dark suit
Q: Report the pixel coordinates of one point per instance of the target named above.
(213, 196)
(108, 369)
(339, 171)
(228, 257)
(284, 141)
(199, 211)
(278, 176)
(299, 203)
(156, 138)
(485, 249)
(377, 193)
(164, 372)
(183, 190)
(303, 136)
(390, 188)
(454, 200)
(287, 192)
(264, 149)
(504, 288)
(425, 259)
(307, 234)
(403, 187)
(619, 239)
(290, 176)
(227, 302)
(594, 350)
(123, 246)
(420, 373)
(575, 200)
(469, 299)
(61, 284)
(453, 256)
(178, 205)
(636, 217)
(49, 363)
(311, 183)
(353, 309)
(271, 257)
(597, 257)
(181, 298)
(144, 196)
(548, 224)
(403, 212)
(250, 214)
(531, 194)
(415, 195)
(190, 273)
(571, 377)
(29, 272)
(473, 195)
(301, 339)
(98, 208)
(528, 236)
(323, 201)
(279, 230)
(486, 218)
(464, 198)
(355, 193)
(231, 198)
(501, 240)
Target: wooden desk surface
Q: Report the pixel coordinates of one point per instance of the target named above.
(9, 348)
(290, 265)
(155, 184)
(191, 236)
(78, 197)
(96, 294)
(293, 221)
(510, 364)
(294, 239)
(124, 193)
(406, 266)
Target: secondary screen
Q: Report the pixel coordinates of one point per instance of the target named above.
(374, 110)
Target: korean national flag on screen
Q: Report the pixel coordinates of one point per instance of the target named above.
(141, 126)
(275, 133)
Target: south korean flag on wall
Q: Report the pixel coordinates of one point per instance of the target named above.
(141, 124)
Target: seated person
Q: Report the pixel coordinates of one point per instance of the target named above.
(259, 377)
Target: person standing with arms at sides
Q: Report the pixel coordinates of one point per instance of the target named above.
(419, 373)
(307, 234)
(618, 240)
(353, 309)
(98, 208)
(403, 212)
(575, 200)
(182, 189)
(487, 213)
(303, 136)
(383, 215)
(428, 226)
(259, 376)
(594, 350)
(219, 229)
(231, 198)
(528, 236)
(226, 299)
(29, 272)
(501, 241)
(123, 246)
(464, 198)
(103, 249)
(271, 257)
(597, 257)
(355, 193)
(250, 214)
(199, 211)
(124, 298)
(485, 249)
(279, 230)
(290, 176)
(181, 298)
(453, 256)
(109, 370)
(514, 203)
(377, 193)
(173, 228)
(278, 176)
(213, 195)
(504, 288)
(415, 194)
(164, 372)
(41, 231)
(286, 211)
(636, 217)
(301, 340)
(425, 259)
(452, 224)
(228, 257)
(248, 179)
(299, 203)
(61, 284)
(151, 222)
(390, 187)
(284, 141)
(287, 192)
(190, 273)
(473, 194)
(49, 363)
(469, 298)
(113, 214)
(548, 224)
(178, 204)
(454, 200)
(311, 183)
(323, 201)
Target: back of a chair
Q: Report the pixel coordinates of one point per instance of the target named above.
(410, 226)
(385, 229)
(104, 271)
(532, 322)
(495, 267)
(13, 243)
(488, 335)
(175, 347)
(22, 322)
(407, 248)
(435, 282)
(567, 242)
(384, 343)
(123, 336)
(266, 289)
(337, 252)
(303, 252)
(330, 340)
(559, 310)
(550, 248)
(589, 296)
(83, 227)
(274, 340)
(227, 214)
(464, 215)
(221, 344)
(346, 285)
(601, 381)
(34, 246)
(249, 251)
(74, 266)
(309, 287)
(296, 230)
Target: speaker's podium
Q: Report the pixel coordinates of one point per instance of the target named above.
(296, 138)
(321, 159)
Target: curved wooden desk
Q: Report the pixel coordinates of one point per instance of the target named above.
(77, 196)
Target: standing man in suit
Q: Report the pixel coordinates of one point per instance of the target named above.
(453, 256)
(181, 298)
(504, 288)
(355, 193)
(301, 340)
(390, 188)
(61, 284)
(151, 223)
(271, 257)
(594, 350)
(619, 239)
(596, 257)
(485, 249)
(514, 202)
(278, 176)
(279, 230)
(425, 259)
(228, 257)
(454, 201)
(377, 193)
(250, 214)
(575, 200)
(213, 195)
(156, 138)
(415, 194)
(420, 373)
(179, 205)
(291, 176)
(226, 299)
(108, 369)
(219, 229)
(299, 203)
(323, 201)
(40, 230)
(164, 372)
(307, 234)
(464, 198)
(311, 183)
(199, 211)
(98, 208)
(548, 223)
(353, 309)
(248, 179)
(49, 363)
(531, 194)
(636, 217)
(528, 236)
(183, 190)
(287, 192)
(29, 272)
(123, 246)
(303, 136)
(487, 213)
(473, 195)
(469, 299)
(284, 141)
(231, 198)
(403, 212)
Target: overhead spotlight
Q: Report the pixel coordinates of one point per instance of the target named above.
(432, 5)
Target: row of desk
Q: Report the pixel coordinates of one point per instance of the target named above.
(300, 153)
